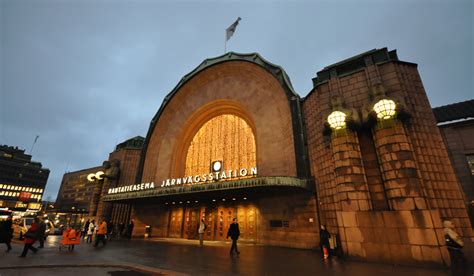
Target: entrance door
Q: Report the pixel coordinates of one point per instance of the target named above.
(224, 219)
(191, 223)
(247, 222)
(176, 222)
(209, 215)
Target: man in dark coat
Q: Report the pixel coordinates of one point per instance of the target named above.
(40, 232)
(234, 234)
(6, 232)
(130, 229)
(324, 237)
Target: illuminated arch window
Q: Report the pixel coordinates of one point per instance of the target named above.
(227, 138)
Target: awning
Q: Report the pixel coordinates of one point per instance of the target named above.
(248, 183)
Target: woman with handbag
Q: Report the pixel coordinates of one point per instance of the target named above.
(30, 238)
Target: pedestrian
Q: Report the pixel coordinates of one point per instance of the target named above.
(84, 229)
(234, 234)
(110, 230)
(121, 229)
(201, 230)
(101, 234)
(130, 229)
(6, 232)
(90, 231)
(30, 238)
(454, 245)
(40, 234)
(324, 237)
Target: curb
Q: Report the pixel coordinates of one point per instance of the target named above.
(138, 268)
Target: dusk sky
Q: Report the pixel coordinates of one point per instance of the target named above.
(86, 75)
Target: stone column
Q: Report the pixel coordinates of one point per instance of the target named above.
(351, 183)
(104, 209)
(95, 197)
(402, 180)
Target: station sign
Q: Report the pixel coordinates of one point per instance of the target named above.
(216, 174)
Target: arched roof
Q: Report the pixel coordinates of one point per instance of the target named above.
(275, 70)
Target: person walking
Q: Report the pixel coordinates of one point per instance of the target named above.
(121, 229)
(6, 232)
(324, 237)
(30, 238)
(101, 234)
(40, 233)
(130, 229)
(85, 229)
(90, 231)
(110, 230)
(234, 234)
(201, 230)
(454, 245)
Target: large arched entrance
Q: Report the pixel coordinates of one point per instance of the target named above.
(222, 145)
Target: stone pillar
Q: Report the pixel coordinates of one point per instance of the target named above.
(95, 197)
(104, 209)
(351, 183)
(402, 180)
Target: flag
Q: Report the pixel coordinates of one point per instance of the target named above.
(231, 30)
(36, 139)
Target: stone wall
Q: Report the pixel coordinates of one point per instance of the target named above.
(397, 237)
(396, 168)
(128, 158)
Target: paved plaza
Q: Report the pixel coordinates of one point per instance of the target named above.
(181, 257)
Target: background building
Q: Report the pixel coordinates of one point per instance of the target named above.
(76, 191)
(22, 181)
(456, 122)
(79, 195)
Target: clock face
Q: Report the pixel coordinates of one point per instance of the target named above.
(217, 166)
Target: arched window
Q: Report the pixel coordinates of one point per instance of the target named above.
(226, 138)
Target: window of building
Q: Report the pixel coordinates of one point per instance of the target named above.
(227, 138)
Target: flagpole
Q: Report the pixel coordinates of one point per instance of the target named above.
(225, 42)
(32, 146)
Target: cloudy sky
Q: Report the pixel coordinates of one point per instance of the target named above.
(86, 75)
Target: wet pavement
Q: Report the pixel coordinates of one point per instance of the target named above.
(72, 271)
(168, 256)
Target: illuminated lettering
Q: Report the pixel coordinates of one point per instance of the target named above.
(253, 171)
(243, 172)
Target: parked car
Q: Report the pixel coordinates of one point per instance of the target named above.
(22, 225)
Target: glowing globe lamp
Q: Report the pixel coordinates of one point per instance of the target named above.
(385, 109)
(337, 119)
